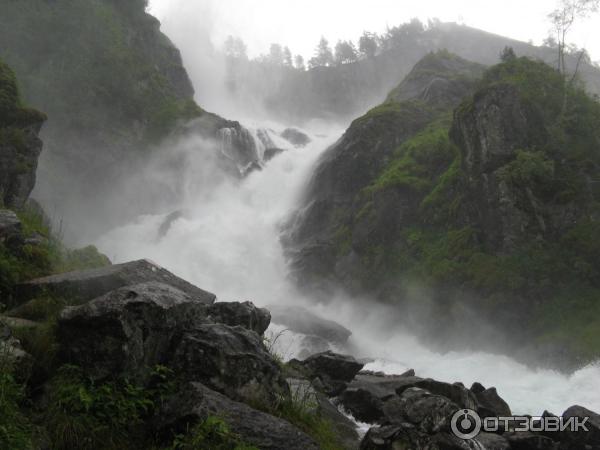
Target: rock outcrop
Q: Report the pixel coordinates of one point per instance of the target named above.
(81, 286)
(20, 145)
(462, 201)
(196, 403)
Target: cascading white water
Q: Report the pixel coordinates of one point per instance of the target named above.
(226, 241)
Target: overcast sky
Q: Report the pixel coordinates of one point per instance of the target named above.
(299, 24)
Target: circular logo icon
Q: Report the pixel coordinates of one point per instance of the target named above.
(465, 424)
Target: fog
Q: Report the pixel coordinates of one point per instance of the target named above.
(226, 235)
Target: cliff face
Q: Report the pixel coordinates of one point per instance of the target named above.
(20, 145)
(114, 87)
(485, 213)
(371, 181)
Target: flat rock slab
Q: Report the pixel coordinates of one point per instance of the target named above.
(82, 286)
(196, 403)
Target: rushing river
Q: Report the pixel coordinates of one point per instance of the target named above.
(227, 241)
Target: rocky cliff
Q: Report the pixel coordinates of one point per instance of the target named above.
(474, 221)
(113, 87)
(20, 145)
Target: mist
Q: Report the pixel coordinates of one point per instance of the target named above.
(226, 234)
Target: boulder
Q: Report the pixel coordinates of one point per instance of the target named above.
(529, 441)
(243, 314)
(271, 152)
(581, 439)
(390, 437)
(84, 285)
(332, 369)
(490, 404)
(301, 320)
(304, 393)
(455, 392)
(231, 360)
(430, 413)
(127, 330)
(367, 393)
(296, 137)
(195, 403)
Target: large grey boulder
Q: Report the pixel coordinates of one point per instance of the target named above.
(231, 360)
(333, 370)
(127, 330)
(132, 329)
(581, 439)
(84, 285)
(195, 403)
(366, 395)
(490, 404)
(243, 314)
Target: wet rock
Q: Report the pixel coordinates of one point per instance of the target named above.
(271, 152)
(196, 402)
(581, 439)
(334, 370)
(127, 330)
(456, 392)
(491, 441)
(366, 394)
(430, 413)
(300, 320)
(230, 360)
(244, 314)
(165, 226)
(490, 404)
(84, 285)
(295, 137)
(529, 441)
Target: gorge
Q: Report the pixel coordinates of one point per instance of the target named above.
(449, 228)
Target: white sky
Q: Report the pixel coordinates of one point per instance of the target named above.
(299, 24)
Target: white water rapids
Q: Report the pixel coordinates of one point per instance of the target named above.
(227, 242)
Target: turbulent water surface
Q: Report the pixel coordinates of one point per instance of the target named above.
(226, 240)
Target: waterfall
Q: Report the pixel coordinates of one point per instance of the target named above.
(227, 242)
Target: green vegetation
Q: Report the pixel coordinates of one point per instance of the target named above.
(44, 257)
(551, 273)
(418, 161)
(117, 75)
(83, 414)
(212, 434)
(15, 427)
(12, 111)
(302, 412)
